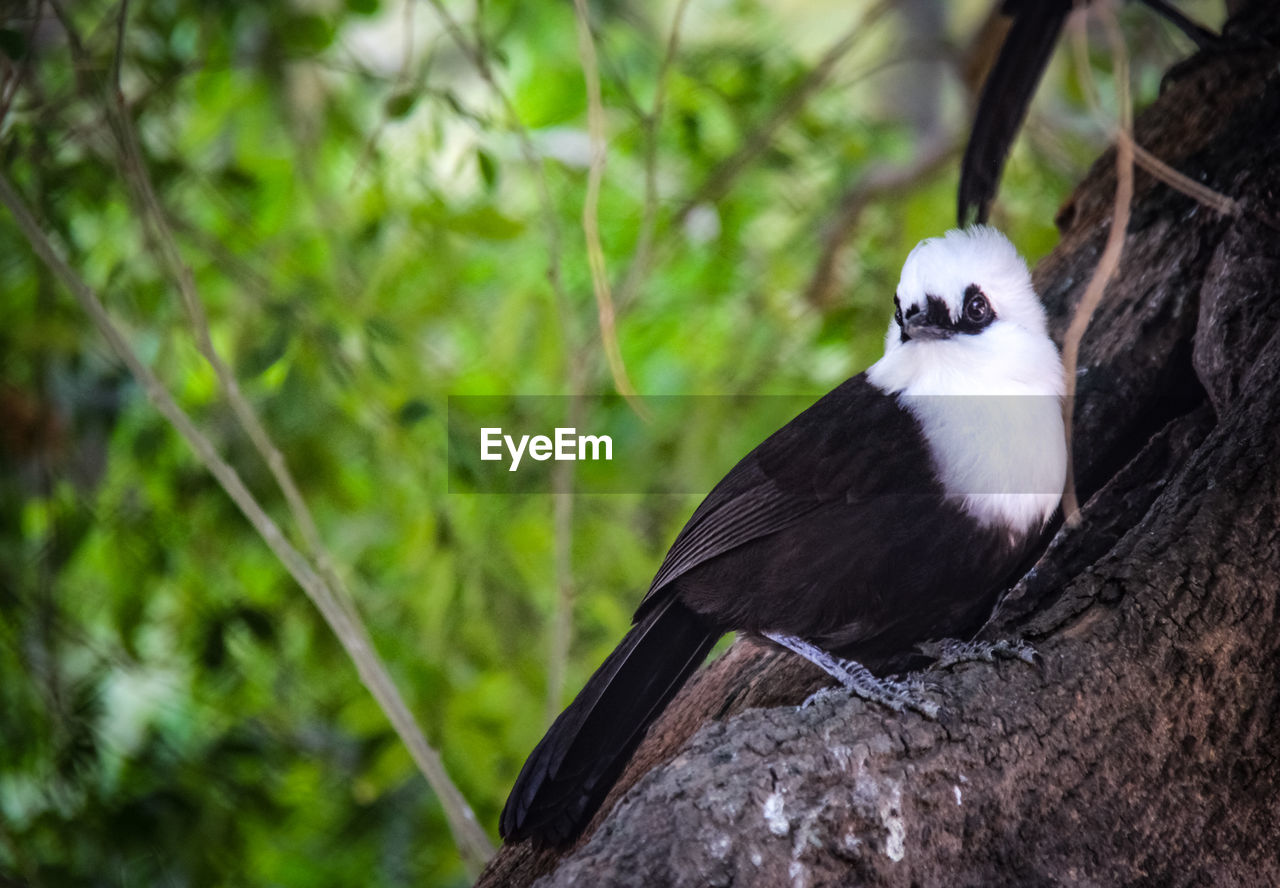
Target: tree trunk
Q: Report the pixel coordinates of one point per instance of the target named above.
(1145, 751)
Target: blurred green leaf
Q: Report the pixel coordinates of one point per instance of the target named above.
(412, 411)
(400, 104)
(307, 34)
(486, 222)
(262, 355)
(488, 168)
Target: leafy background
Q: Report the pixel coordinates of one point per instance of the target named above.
(381, 205)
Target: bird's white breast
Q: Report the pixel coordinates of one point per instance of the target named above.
(990, 408)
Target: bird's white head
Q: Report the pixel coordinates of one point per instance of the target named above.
(967, 321)
(969, 354)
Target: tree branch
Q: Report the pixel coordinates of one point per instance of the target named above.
(651, 123)
(472, 842)
(1110, 259)
(590, 212)
(722, 177)
(875, 183)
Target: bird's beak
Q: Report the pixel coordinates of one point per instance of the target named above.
(919, 327)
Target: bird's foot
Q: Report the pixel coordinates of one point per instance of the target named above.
(858, 679)
(950, 651)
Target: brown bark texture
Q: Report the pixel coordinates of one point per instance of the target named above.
(1145, 750)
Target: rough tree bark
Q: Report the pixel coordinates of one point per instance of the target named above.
(1146, 750)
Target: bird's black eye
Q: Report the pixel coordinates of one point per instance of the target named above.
(897, 311)
(977, 310)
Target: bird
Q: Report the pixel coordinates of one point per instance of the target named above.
(1008, 88)
(890, 512)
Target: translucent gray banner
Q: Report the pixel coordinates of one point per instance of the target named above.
(684, 444)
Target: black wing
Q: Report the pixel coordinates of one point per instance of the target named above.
(1005, 97)
(854, 443)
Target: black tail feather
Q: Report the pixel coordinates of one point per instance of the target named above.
(1011, 84)
(571, 771)
(1004, 100)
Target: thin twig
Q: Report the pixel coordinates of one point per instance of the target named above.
(561, 634)
(1203, 194)
(122, 22)
(1110, 259)
(652, 125)
(527, 151)
(591, 210)
(134, 171)
(397, 88)
(73, 36)
(473, 845)
(717, 184)
(1214, 200)
(562, 481)
(325, 588)
(876, 182)
(560, 638)
(15, 72)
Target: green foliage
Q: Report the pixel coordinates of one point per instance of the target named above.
(360, 218)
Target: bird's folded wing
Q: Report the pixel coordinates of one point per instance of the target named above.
(846, 448)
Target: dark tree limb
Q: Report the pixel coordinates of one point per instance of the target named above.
(1147, 750)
